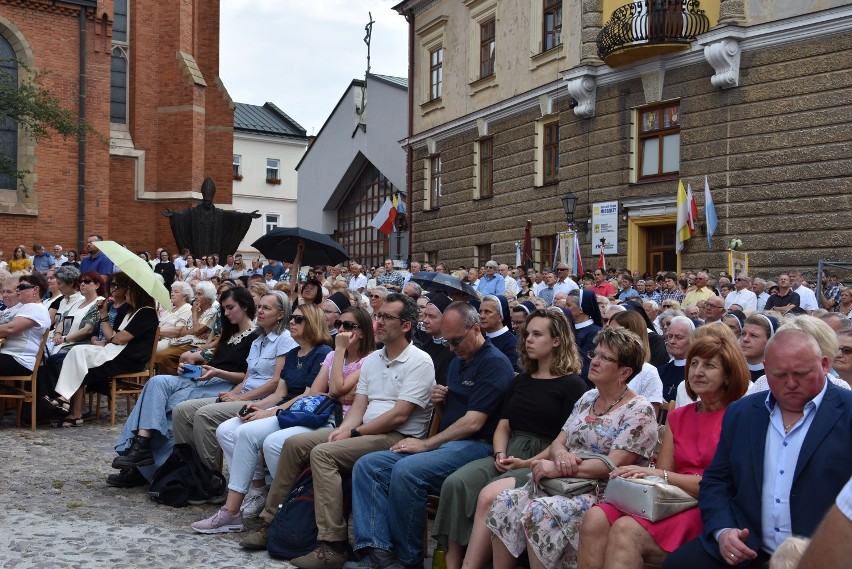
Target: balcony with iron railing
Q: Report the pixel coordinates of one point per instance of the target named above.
(649, 28)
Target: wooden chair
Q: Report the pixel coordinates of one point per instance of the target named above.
(432, 501)
(127, 384)
(663, 413)
(23, 387)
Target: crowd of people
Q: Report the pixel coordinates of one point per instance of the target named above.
(480, 395)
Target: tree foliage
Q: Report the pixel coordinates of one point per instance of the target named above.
(37, 111)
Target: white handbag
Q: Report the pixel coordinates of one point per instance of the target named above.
(649, 498)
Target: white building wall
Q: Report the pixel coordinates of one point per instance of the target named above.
(254, 193)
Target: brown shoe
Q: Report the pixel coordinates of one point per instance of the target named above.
(323, 557)
(256, 539)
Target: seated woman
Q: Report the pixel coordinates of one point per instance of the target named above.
(610, 420)
(10, 299)
(647, 382)
(194, 333)
(23, 332)
(51, 299)
(241, 438)
(72, 260)
(68, 284)
(19, 263)
(151, 418)
(174, 322)
(79, 320)
(717, 373)
(537, 404)
(127, 349)
(311, 292)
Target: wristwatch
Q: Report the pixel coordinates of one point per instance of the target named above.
(354, 433)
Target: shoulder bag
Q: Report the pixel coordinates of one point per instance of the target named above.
(573, 486)
(649, 498)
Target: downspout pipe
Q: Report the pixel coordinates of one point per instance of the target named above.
(408, 154)
(81, 136)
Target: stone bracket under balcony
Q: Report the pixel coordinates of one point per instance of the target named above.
(649, 28)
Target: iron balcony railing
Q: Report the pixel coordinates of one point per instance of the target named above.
(649, 22)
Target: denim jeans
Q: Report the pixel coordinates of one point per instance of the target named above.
(389, 495)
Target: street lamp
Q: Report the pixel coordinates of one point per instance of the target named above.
(569, 204)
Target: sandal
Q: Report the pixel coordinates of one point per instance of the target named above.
(60, 404)
(65, 423)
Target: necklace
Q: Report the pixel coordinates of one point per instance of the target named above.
(608, 409)
(790, 426)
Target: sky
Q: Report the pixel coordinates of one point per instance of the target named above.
(302, 54)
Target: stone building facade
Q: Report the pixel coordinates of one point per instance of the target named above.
(150, 80)
(756, 102)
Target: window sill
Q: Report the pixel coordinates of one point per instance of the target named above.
(545, 57)
(551, 184)
(654, 179)
(486, 197)
(273, 182)
(238, 178)
(483, 84)
(431, 106)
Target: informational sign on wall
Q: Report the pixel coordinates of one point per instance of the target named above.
(605, 224)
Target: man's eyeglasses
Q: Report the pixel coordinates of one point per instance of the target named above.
(560, 270)
(297, 319)
(385, 316)
(377, 296)
(347, 325)
(593, 354)
(456, 342)
(24, 286)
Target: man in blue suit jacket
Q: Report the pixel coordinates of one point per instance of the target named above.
(782, 458)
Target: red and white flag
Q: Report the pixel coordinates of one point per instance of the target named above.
(578, 258)
(691, 210)
(385, 217)
(602, 258)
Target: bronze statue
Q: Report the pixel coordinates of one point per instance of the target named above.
(206, 229)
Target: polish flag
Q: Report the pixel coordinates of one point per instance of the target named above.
(385, 217)
(691, 210)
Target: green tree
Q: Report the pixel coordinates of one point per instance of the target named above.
(37, 111)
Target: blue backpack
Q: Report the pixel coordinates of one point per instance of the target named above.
(293, 531)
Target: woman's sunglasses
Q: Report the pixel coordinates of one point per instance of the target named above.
(297, 319)
(24, 286)
(347, 325)
(86, 281)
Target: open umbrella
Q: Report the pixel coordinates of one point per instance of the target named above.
(447, 284)
(137, 269)
(300, 247)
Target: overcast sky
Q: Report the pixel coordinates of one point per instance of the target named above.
(302, 54)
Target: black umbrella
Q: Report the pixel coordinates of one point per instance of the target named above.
(282, 244)
(445, 283)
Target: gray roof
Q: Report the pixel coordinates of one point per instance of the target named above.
(398, 81)
(267, 120)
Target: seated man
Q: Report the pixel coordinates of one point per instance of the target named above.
(389, 488)
(782, 458)
(392, 401)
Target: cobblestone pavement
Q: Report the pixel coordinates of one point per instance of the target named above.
(58, 511)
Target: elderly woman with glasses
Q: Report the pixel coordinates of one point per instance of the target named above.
(611, 420)
(26, 327)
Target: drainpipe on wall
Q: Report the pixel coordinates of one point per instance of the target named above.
(408, 153)
(81, 137)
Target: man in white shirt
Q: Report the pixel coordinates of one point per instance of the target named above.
(358, 282)
(742, 294)
(58, 256)
(807, 298)
(511, 285)
(564, 282)
(758, 287)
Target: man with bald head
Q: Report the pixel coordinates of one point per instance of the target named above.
(700, 290)
(783, 456)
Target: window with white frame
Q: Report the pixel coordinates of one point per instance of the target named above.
(436, 73)
(272, 221)
(238, 167)
(434, 181)
(482, 38)
(273, 174)
(551, 24)
(658, 141)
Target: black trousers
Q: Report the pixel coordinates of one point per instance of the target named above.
(10, 366)
(692, 555)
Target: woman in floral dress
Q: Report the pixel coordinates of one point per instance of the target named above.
(611, 420)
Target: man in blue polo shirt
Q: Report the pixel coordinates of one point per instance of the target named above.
(389, 488)
(96, 261)
(491, 282)
(42, 261)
